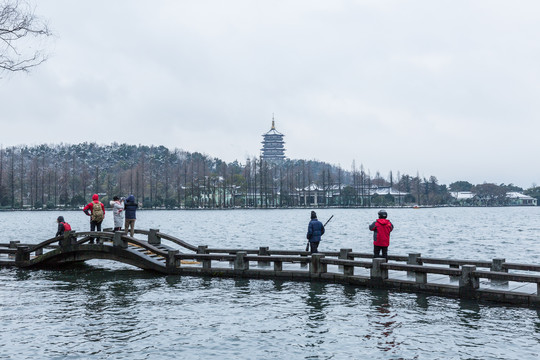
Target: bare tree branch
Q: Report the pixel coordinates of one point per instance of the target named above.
(20, 33)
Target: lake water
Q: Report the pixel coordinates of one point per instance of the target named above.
(105, 309)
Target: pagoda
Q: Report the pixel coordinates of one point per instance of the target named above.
(273, 149)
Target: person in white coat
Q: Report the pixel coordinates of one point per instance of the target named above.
(118, 212)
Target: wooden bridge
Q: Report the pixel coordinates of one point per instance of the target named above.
(495, 280)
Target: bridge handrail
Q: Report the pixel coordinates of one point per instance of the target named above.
(41, 245)
(194, 256)
(344, 262)
(422, 269)
(177, 241)
(456, 262)
(8, 251)
(526, 267)
(273, 258)
(496, 275)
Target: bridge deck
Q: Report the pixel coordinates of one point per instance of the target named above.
(517, 284)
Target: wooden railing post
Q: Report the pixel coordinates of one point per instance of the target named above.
(153, 237)
(68, 239)
(202, 249)
(240, 262)
(345, 254)
(263, 251)
(468, 283)
(421, 277)
(414, 259)
(303, 264)
(14, 244)
(207, 264)
(315, 266)
(497, 265)
(22, 254)
(172, 264)
(278, 265)
(377, 272)
(119, 241)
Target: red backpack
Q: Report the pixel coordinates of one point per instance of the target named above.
(67, 227)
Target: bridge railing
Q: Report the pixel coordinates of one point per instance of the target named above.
(466, 276)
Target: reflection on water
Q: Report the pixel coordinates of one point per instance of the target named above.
(316, 302)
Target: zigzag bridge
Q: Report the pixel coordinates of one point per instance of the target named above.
(502, 282)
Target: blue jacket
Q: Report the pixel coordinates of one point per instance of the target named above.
(315, 230)
(130, 207)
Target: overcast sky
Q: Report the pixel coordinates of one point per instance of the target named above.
(443, 88)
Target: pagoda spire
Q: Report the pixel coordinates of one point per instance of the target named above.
(273, 123)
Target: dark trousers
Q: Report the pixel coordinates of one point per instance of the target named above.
(314, 246)
(377, 251)
(93, 226)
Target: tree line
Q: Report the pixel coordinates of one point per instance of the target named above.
(52, 176)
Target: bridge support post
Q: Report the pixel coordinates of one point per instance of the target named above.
(377, 272)
(118, 241)
(414, 259)
(172, 263)
(206, 264)
(263, 251)
(421, 278)
(468, 283)
(153, 237)
(303, 264)
(315, 266)
(68, 239)
(202, 249)
(22, 254)
(240, 262)
(497, 265)
(345, 254)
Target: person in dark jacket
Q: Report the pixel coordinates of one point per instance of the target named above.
(130, 210)
(315, 231)
(61, 226)
(381, 228)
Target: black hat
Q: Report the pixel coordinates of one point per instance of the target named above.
(60, 219)
(382, 214)
(313, 215)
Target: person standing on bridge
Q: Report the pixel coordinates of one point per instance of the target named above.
(118, 212)
(315, 232)
(381, 228)
(96, 211)
(130, 210)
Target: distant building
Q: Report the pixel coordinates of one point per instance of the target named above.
(516, 198)
(513, 198)
(273, 149)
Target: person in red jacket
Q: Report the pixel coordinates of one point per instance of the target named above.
(96, 211)
(381, 234)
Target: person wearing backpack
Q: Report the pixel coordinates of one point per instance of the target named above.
(63, 226)
(96, 211)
